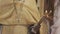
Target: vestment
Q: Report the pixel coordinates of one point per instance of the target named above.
(17, 14)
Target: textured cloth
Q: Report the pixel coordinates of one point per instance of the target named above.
(23, 11)
(18, 12)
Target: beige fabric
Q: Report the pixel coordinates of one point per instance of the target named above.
(8, 12)
(18, 12)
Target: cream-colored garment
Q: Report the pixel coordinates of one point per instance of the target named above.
(10, 14)
(18, 12)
